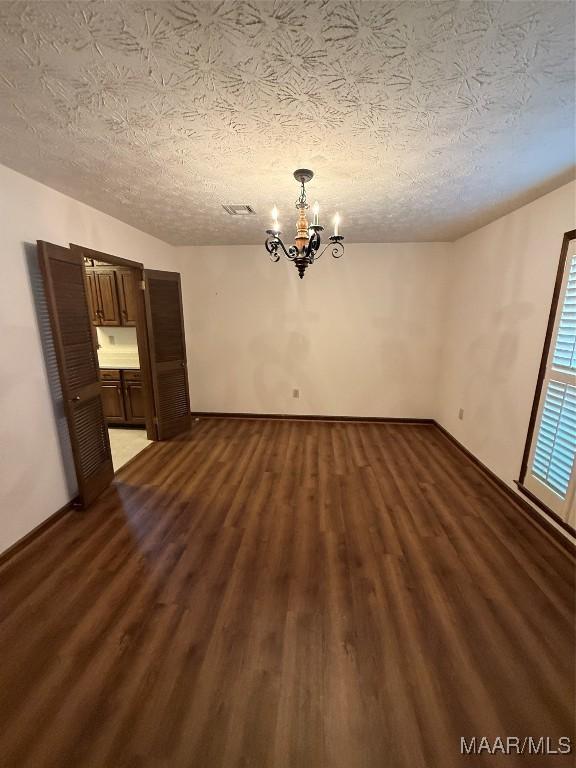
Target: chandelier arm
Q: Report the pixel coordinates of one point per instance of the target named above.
(272, 243)
(337, 248)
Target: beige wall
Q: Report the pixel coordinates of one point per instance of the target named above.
(359, 336)
(501, 282)
(34, 477)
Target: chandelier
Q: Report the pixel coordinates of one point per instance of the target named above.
(307, 243)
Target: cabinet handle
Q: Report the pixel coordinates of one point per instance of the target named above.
(75, 399)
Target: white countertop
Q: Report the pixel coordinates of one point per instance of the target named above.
(119, 361)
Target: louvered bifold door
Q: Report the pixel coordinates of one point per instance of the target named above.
(165, 321)
(552, 476)
(66, 297)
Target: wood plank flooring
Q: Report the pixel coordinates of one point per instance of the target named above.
(285, 594)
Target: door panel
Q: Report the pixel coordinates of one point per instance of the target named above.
(165, 320)
(113, 401)
(126, 296)
(66, 296)
(93, 446)
(173, 395)
(108, 294)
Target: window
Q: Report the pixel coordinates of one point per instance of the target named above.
(548, 473)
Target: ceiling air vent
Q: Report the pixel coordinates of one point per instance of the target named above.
(239, 210)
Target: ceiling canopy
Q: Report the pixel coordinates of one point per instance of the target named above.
(421, 120)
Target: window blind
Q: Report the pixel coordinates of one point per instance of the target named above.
(565, 348)
(556, 442)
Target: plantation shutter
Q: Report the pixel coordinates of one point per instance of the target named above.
(551, 468)
(556, 442)
(165, 319)
(66, 298)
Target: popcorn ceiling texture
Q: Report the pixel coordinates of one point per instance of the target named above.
(422, 120)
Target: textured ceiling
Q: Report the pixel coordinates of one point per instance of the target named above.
(422, 120)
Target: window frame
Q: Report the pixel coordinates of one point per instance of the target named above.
(553, 320)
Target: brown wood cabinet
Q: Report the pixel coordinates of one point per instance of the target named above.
(111, 296)
(109, 307)
(126, 295)
(122, 396)
(113, 402)
(134, 402)
(92, 295)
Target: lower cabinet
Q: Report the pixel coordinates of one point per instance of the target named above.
(113, 401)
(122, 396)
(134, 402)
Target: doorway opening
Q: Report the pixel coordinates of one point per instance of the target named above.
(119, 343)
(112, 293)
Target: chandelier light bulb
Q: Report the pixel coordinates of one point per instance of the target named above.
(316, 209)
(275, 225)
(336, 224)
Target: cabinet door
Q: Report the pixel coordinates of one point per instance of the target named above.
(92, 296)
(113, 401)
(126, 295)
(134, 400)
(108, 294)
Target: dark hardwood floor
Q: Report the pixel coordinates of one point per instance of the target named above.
(287, 594)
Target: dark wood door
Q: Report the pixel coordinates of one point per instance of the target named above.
(108, 296)
(126, 283)
(113, 402)
(92, 296)
(165, 321)
(66, 297)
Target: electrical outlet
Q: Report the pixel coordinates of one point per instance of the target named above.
(461, 414)
(296, 393)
